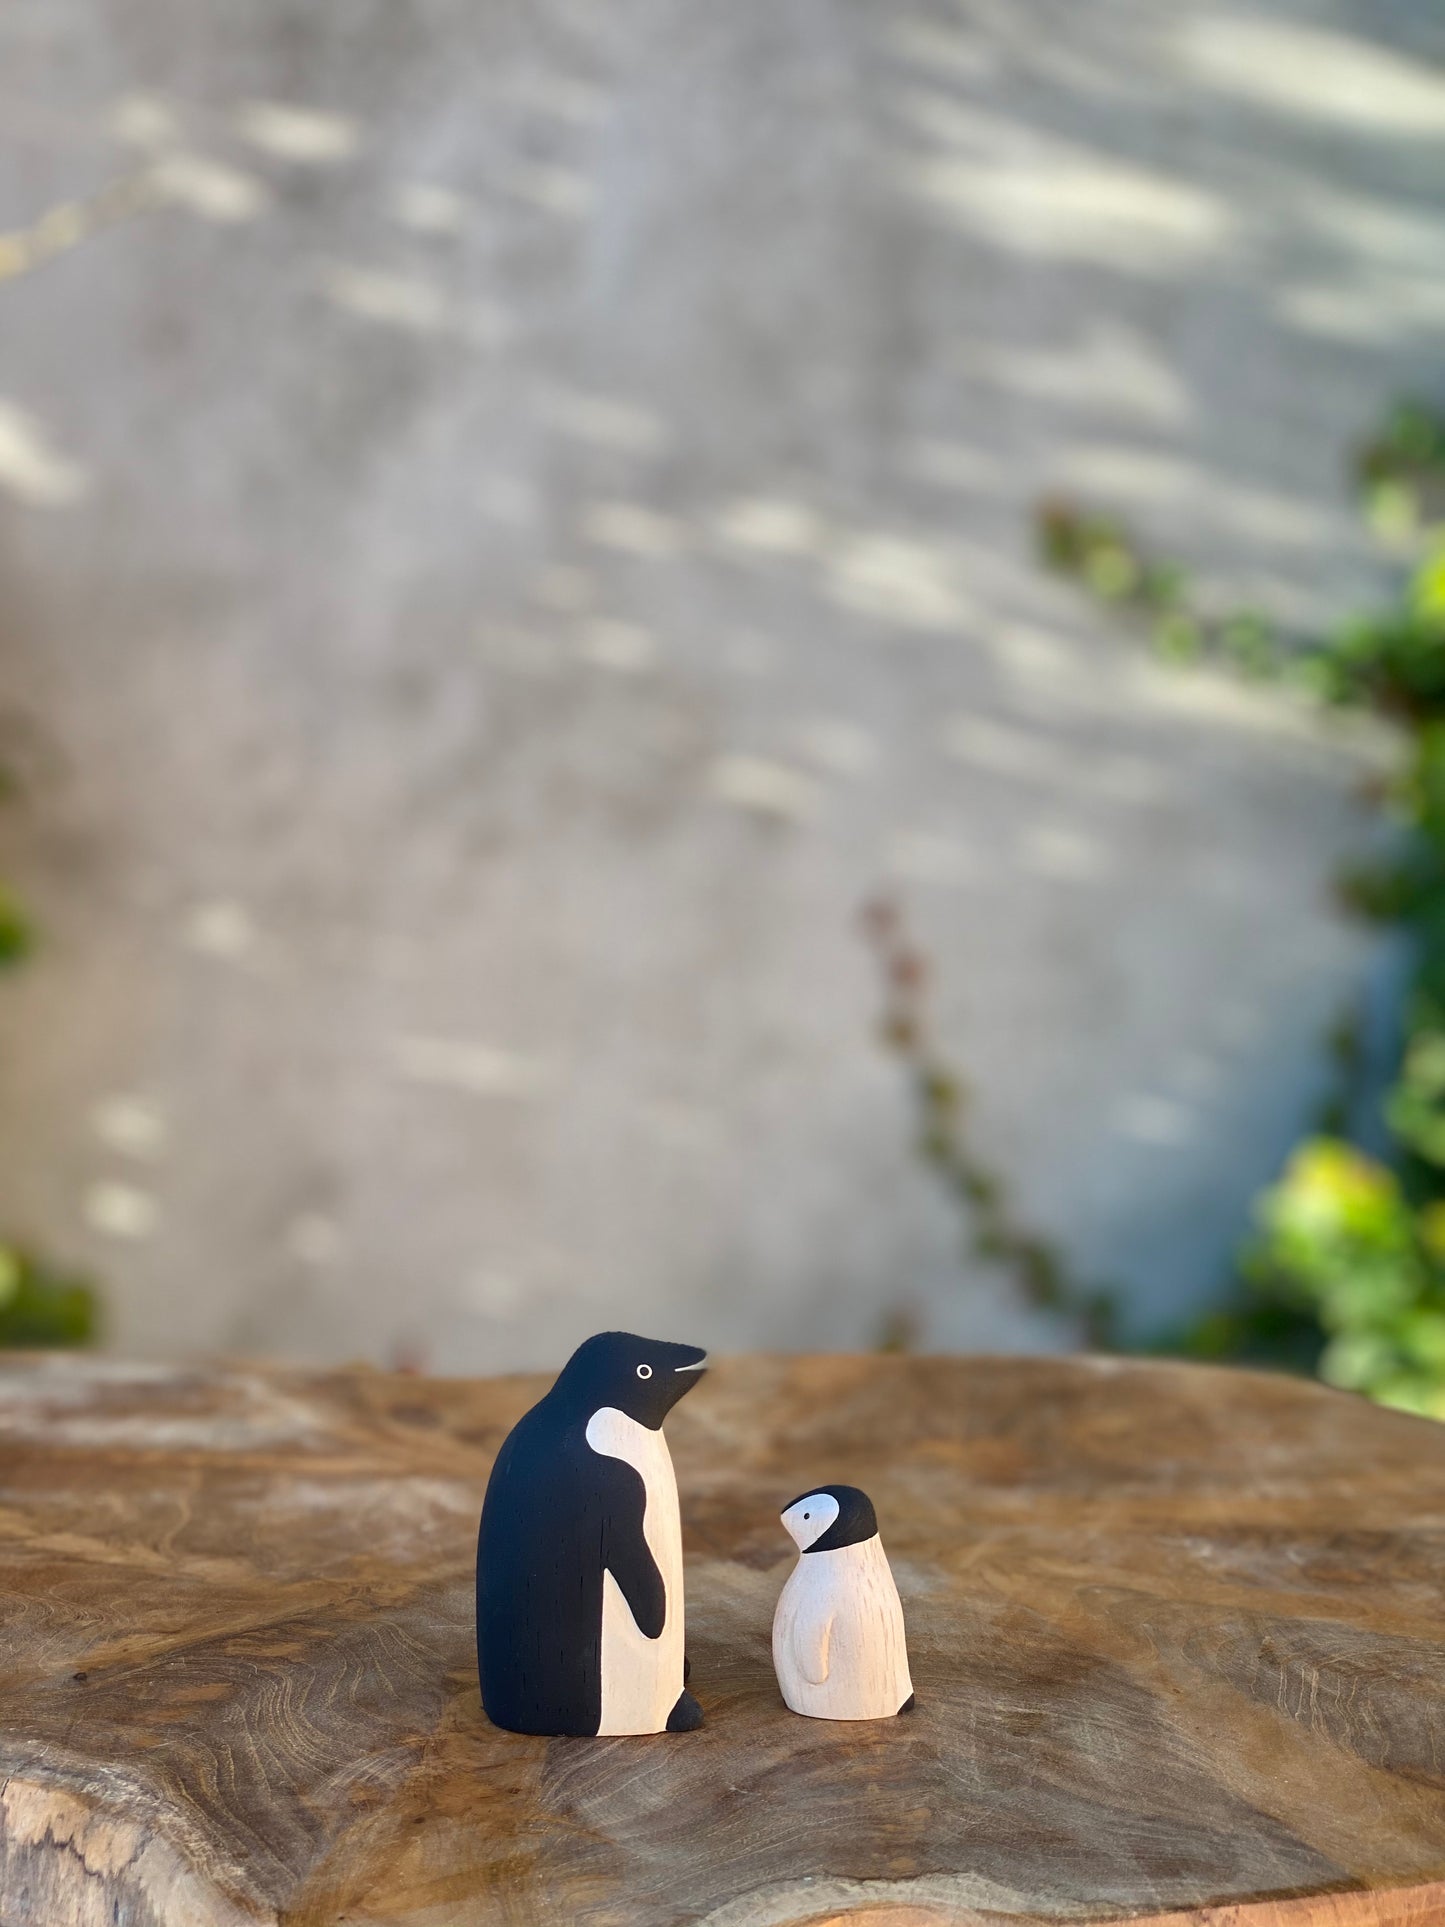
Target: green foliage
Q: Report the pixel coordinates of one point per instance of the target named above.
(1099, 551)
(15, 934)
(1341, 1240)
(1393, 660)
(41, 1306)
(38, 1305)
(1345, 1272)
(1401, 471)
(1156, 596)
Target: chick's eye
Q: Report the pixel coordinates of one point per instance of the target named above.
(644, 1371)
(807, 1515)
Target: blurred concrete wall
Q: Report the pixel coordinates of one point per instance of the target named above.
(533, 529)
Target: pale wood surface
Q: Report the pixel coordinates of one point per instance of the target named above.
(1176, 1637)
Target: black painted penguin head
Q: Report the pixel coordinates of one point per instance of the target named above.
(643, 1377)
(829, 1517)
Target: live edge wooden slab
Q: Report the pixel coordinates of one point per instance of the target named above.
(1178, 1639)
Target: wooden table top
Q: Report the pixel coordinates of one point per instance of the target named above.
(1178, 1638)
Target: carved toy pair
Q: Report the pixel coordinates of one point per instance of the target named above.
(579, 1567)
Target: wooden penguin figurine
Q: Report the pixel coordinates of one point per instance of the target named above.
(838, 1643)
(579, 1558)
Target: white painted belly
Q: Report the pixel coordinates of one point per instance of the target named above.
(641, 1677)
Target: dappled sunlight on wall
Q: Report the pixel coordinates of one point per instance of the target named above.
(520, 530)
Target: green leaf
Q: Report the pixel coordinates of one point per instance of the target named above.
(41, 1306)
(16, 938)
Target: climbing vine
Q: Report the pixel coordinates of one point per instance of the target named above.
(1344, 1270)
(946, 1141)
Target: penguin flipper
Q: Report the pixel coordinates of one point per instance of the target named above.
(686, 1716)
(627, 1555)
(811, 1644)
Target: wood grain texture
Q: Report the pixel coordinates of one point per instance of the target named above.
(1176, 1637)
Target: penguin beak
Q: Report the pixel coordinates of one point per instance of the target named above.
(684, 1376)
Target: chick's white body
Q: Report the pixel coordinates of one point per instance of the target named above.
(838, 1641)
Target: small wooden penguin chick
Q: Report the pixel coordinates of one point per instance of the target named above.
(838, 1642)
(579, 1557)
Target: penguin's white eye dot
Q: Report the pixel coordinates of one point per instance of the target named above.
(644, 1371)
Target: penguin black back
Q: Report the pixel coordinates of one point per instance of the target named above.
(558, 1515)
